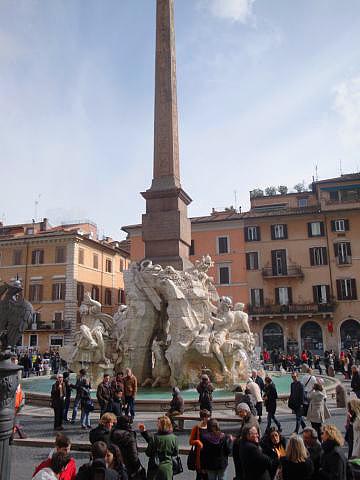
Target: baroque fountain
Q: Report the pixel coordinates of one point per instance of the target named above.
(173, 326)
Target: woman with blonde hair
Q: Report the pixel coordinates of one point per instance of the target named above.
(333, 462)
(162, 447)
(296, 465)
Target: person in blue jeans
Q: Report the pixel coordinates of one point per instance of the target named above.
(85, 398)
(80, 381)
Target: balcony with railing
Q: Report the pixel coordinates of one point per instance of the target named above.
(284, 271)
(292, 309)
(54, 325)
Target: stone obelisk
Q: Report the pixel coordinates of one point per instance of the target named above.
(166, 229)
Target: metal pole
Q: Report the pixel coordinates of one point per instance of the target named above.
(9, 381)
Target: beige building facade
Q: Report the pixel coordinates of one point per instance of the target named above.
(57, 265)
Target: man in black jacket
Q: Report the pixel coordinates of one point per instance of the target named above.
(355, 380)
(103, 431)
(296, 401)
(125, 438)
(97, 468)
(80, 382)
(255, 465)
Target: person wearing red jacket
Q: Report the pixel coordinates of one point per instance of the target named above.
(62, 444)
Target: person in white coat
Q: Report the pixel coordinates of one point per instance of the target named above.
(255, 395)
(317, 411)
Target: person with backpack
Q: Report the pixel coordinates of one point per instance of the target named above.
(80, 381)
(205, 390)
(87, 405)
(124, 437)
(97, 468)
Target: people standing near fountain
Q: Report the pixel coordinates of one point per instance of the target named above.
(103, 393)
(215, 451)
(104, 430)
(296, 401)
(58, 401)
(205, 390)
(130, 390)
(87, 405)
(115, 405)
(80, 381)
(117, 382)
(255, 375)
(176, 407)
(67, 386)
(194, 441)
(270, 399)
(308, 380)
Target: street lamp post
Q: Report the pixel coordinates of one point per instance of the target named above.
(9, 381)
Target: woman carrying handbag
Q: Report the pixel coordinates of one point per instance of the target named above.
(162, 450)
(194, 461)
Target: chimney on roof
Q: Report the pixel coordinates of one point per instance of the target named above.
(44, 225)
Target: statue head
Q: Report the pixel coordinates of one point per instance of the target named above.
(239, 307)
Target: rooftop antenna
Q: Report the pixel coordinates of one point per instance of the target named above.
(37, 201)
(340, 165)
(235, 199)
(316, 172)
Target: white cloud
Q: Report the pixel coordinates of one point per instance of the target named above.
(347, 106)
(235, 10)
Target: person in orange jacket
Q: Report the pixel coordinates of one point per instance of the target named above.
(195, 441)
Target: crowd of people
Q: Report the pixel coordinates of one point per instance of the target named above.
(36, 363)
(342, 363)
(313, 453)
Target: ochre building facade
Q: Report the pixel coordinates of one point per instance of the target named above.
(57, 265)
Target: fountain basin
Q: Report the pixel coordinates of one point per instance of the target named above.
(37, 390)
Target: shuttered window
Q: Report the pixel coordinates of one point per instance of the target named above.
(321, 293)
(342, 252)
(318, 256)
(252, 234)
(252, 261)
(283, 296)
(35, 293)
(279, 231)
(346, 289)
(37, 257)
(316, 229)
(257, 297)
(58, 291)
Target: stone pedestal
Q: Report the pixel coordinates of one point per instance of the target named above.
(8, 385)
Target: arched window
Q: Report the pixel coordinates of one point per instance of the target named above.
(312, 338)
(273, 336)
(350, 334)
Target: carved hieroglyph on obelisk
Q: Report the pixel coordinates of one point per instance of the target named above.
(166, 229)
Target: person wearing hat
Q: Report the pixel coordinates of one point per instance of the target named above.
(176, 407)
(205, 390)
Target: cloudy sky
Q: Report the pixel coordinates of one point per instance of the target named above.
(267, 90)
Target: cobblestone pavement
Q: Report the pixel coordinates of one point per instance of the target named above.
(38, 423)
